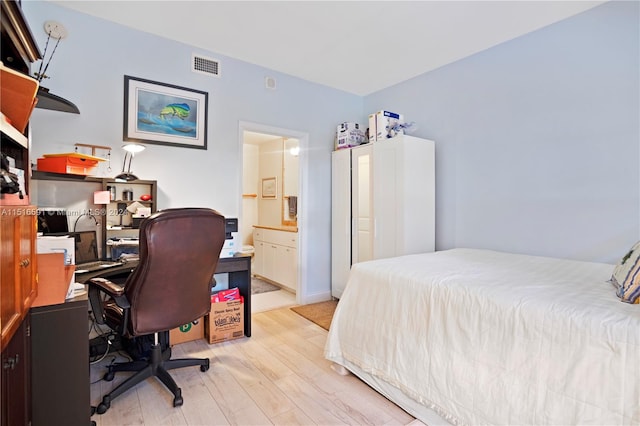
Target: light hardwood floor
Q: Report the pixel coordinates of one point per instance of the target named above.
(278, 376)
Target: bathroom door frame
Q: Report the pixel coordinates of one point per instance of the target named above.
(303, 170)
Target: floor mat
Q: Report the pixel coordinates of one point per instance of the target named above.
(320, 313)
(261, 286)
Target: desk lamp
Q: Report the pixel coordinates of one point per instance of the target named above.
(131, 149)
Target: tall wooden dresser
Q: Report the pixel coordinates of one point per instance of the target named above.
(18, 286)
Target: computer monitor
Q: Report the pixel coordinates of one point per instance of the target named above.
(86, 246)
(52, 221)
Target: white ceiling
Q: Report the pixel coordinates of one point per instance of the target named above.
(356, 46)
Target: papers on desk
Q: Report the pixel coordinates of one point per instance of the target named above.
(124, 249)
(123, 242)
(57, 244)
(76, 289)
(46, 244)
(55, 279)
(129, 257)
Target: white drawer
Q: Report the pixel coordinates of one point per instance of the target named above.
(282, 238)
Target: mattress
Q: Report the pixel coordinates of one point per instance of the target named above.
(484, 337)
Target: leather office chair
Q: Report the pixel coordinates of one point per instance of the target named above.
(171, 286)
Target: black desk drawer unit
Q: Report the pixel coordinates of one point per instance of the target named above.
(60, 364)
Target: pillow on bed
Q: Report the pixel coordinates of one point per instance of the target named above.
(626, 276)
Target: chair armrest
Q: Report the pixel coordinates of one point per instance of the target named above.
(112, 289)
(115, 291)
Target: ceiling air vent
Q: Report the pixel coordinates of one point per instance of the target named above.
(204, 65)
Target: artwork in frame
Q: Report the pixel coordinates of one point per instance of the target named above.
(269, 187)
(164, 114)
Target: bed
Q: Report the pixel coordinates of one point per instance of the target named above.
(468, 336)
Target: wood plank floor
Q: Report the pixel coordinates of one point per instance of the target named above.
(278, 376)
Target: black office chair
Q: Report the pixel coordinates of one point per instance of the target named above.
(171, 286)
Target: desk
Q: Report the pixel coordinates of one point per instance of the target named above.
(60, 392)
(238, 268)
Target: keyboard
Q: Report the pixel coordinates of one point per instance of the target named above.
(97, 265)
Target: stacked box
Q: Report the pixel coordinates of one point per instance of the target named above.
(187, 332)
(67, 165)
(381, 125)
(225, 321)
(348, 135)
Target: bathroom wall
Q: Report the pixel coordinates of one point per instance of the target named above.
(270, 166)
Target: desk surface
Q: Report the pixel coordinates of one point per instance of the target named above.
(123, 270)
(238, 268)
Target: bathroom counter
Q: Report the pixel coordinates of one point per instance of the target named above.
(278, 228)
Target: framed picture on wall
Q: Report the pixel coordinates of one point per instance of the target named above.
(269, 187)
(164, 114)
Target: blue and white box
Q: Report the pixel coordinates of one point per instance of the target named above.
(382, 123)
(230, 248)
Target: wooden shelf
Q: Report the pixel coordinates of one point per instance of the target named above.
(40, 175)
(12, 132)
(18, 96)
(249, 195)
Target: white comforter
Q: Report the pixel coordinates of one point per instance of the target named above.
(484, 337)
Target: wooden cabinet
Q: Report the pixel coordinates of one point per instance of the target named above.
(276, 256)
(18, 268)
(18, 286)
(16, 379)
(18, 230)
(17, 221)
(383, 203)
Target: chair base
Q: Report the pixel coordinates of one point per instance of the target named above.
(158, 366)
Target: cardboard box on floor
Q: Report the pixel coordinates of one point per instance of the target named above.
(187, 332)
(225, 321)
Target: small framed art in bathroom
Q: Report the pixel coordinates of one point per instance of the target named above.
(270, 187)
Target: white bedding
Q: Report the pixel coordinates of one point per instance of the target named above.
(484, 337)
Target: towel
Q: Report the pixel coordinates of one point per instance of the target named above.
(293, 206)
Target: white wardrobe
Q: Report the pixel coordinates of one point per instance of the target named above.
(383, 203)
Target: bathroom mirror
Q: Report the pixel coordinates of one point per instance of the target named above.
(290, 173)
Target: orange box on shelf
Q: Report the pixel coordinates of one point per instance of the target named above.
(74, 165)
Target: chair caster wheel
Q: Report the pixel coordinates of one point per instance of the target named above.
(178, 401)
(102, 408)
(109, 376)
(205, 367)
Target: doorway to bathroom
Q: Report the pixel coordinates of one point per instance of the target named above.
(272, 217)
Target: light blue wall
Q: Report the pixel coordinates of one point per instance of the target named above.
(88, 69)
(537, 139)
